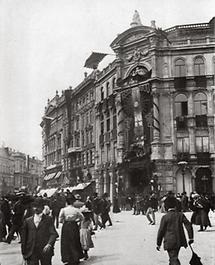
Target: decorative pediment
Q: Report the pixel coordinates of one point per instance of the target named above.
(130, 36)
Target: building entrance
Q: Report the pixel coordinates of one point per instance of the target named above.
(138, 180)
(203, 180)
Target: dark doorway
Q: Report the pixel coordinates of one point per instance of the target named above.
(203, 181)
(138, 179)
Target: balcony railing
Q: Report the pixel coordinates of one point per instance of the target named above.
(201, 81)
(201, 121)
(180, 82)
(181, 123)
(203, 158)
(183, 156)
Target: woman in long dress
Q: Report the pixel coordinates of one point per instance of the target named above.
(71, 251)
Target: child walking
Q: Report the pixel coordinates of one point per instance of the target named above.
(86, 232)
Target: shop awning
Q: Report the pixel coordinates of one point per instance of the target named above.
(80, 186)
(49, 192)
(49, 176)
(58, 175)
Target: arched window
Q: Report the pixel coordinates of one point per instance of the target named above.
(181, 108)
(180, 68)
(200, 103)
(199, 66)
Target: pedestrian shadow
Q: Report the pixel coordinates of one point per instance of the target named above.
(98, 259)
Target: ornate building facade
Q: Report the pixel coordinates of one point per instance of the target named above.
(153, 113)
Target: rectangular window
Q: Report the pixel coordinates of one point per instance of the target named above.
(102, 127)
(183, 145)
(108, 125)
(202, 144)
(102, 93)
(114, 122)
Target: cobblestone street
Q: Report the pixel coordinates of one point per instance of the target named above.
(130, 241)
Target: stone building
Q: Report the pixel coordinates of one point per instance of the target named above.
(163, 94)
(53, 148)
(81, 148)
(153, 114)
(18, 170)
(6, 171)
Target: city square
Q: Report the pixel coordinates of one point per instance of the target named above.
(107, 144)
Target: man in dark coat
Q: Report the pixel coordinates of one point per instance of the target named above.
(17, 218)
(6, 210)
(38, 237)
(172, 231)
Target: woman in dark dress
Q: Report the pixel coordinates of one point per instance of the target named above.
(71, 251)
(200, 210)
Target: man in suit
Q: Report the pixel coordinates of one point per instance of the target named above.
(172, 231)
(38, 237)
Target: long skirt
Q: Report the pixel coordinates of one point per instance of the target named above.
(200, 217)
(71, 250)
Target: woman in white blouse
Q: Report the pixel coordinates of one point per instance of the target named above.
(71, 251)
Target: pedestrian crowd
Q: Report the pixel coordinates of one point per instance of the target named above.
(35, 220)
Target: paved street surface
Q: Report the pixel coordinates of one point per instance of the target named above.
(130, 241)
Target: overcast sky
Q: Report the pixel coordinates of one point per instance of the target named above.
(44, 44)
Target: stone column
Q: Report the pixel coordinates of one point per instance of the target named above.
(120, 128)
(156, 118)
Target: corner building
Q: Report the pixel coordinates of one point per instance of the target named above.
(145, 122)
(155, 111)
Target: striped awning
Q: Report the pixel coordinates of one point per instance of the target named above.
(49, 176)
(58, 175)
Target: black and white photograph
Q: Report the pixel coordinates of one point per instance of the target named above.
(107, 132)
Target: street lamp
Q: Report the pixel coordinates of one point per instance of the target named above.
(204, 179)
(182, 165)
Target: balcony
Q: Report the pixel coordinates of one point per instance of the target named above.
(180, 82)
(201, 121)
(183, 156)
(201, 81)
(203, 158)
(181, 123)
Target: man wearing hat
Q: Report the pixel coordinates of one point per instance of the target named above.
(172, 231)
(38, 237)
